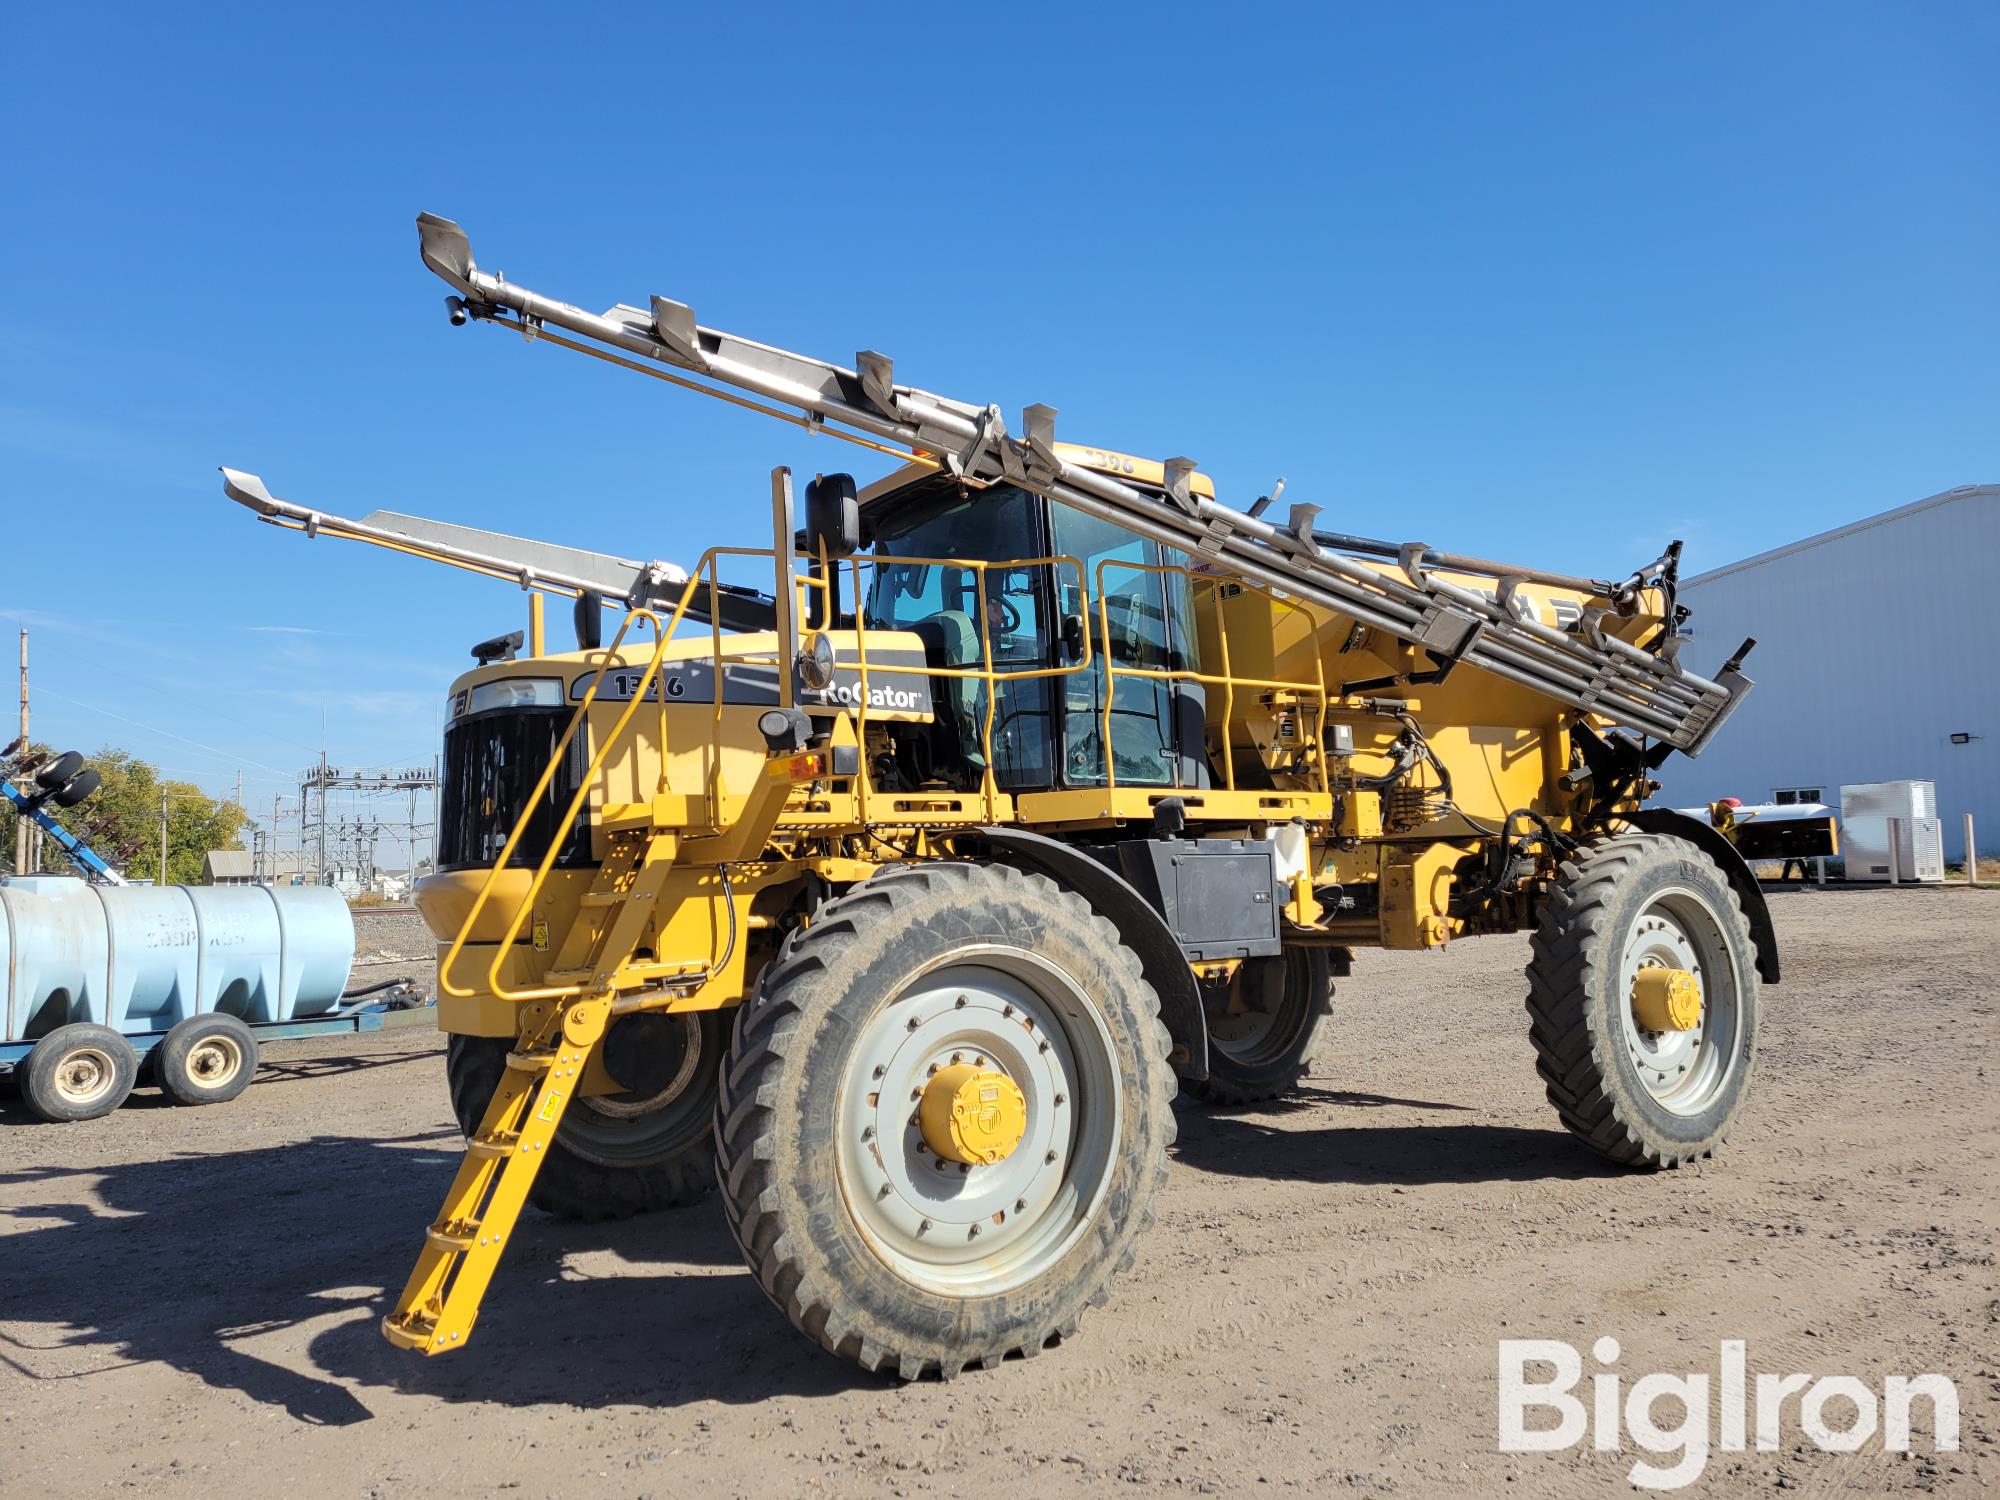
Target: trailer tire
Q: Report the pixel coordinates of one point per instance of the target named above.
(1251, 1061)
(597, 1169)
(1647, 1099)
(206, 1059)
(78, 1072)
(866, 1238)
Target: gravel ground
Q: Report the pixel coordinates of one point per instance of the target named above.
(391, 942)
(191, 1297)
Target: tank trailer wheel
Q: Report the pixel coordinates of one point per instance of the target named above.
(620, 1154)
(206, 1059)
(78, 1072)
(1643, 998)
(1263, 1041)
(944, 1118)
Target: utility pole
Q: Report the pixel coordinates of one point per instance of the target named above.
(271, 844)
(319, 875)
(25, 830)
(163, 838)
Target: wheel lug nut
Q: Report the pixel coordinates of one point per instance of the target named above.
(925, 1227)
(963, 1168)
(1062, 1099)
(1049, 1159)
(958, 1057)
(1020, 1205)
(972, 1233)
(931, 1071)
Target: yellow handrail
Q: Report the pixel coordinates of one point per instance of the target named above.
(1095, 642)
(662, 635)
(986, 673)
(1226, 679)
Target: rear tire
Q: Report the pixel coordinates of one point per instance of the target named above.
(620, 1155)
(206, 1059)
(1266, 1041)
(869, 1242)
(1643, 1098)
(78, 1072)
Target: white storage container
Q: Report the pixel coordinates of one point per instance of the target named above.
(1868, 814)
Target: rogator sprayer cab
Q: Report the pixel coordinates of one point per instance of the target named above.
(894, 876)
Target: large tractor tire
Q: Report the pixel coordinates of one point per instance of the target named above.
(1263, 1037)
(1643, 998)
(619, 1154)
(944, 1119)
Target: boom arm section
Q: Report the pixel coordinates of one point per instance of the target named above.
(1584, 667)
(531, 564)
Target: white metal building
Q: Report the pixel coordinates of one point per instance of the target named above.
(1875, 661)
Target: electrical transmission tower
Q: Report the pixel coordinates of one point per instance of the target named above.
(350, 840)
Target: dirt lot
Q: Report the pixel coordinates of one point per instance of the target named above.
(188, 1299)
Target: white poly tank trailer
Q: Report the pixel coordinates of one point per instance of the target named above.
(1880, 816)
(93, 977)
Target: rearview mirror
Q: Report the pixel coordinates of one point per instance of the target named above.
(833, 516)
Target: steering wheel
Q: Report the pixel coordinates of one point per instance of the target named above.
(1010, 617)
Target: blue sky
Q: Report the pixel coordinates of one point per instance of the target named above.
(1550, 282)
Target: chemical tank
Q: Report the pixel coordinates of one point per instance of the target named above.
(140, 958)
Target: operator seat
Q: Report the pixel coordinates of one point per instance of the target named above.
(952, 640)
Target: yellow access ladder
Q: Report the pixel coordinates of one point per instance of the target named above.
(440, 1301)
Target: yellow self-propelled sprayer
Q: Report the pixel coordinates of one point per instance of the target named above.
(894, 876)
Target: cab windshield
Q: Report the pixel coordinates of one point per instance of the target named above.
(951, 606)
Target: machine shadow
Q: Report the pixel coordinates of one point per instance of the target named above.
(192, 1262)
(1239, 1143)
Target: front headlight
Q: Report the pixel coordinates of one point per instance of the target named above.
(514, 692)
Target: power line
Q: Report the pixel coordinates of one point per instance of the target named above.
(233, 756)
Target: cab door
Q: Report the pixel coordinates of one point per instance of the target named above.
(1143, 621)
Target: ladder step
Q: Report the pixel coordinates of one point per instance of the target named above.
(492, 1147)
(604, 898)
(457, 1235)
(411, 1330)
(531, 1062)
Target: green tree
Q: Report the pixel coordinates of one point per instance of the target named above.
(121, 820)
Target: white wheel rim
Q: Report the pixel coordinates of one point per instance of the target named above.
(214, 1061)
(85, 1076)
(1684, 1071)
(980, 1230)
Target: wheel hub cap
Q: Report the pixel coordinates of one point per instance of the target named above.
(1666, 999)
(972, 1115)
